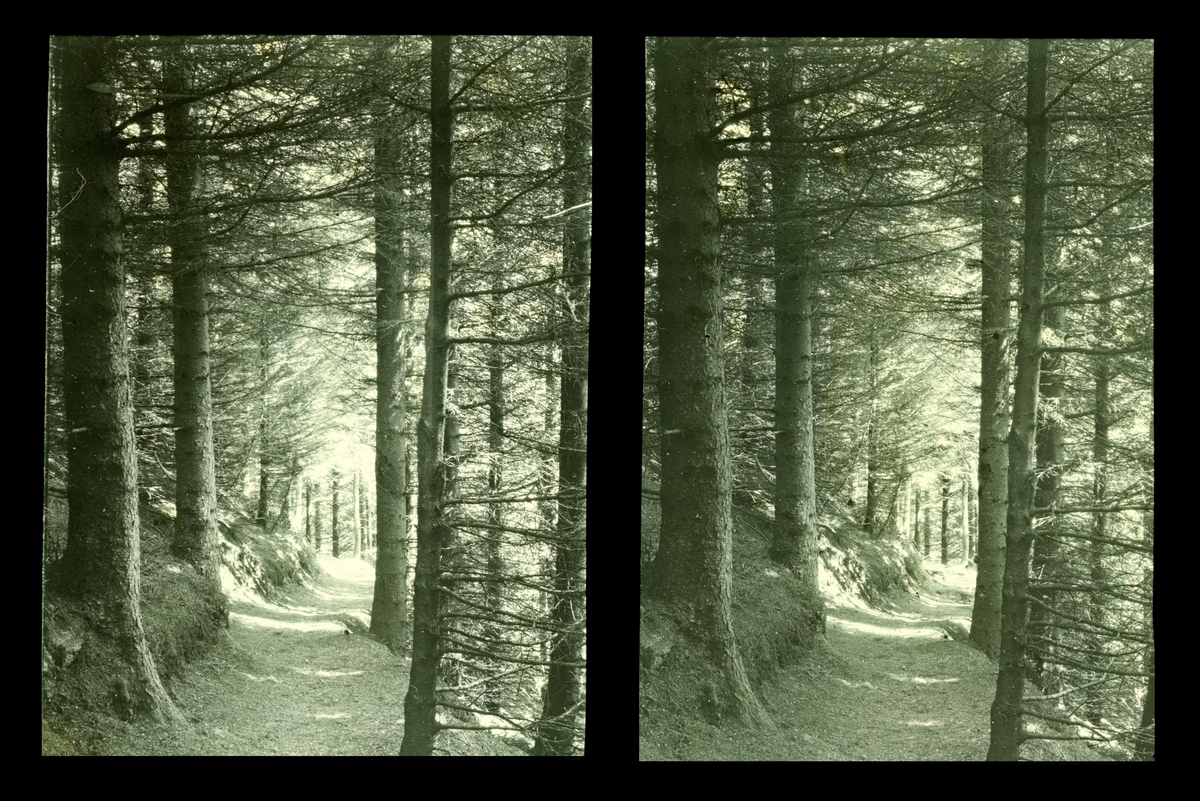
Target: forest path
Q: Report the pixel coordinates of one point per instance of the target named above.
(289, 680)
(890, 686)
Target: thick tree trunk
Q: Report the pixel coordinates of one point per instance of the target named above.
(995, 338)
(102, 562)
(420, 703)
(196, 538)
(564, 683)
(693, 568)
(1006, 721)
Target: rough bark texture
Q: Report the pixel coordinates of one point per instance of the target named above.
(196, 538)
(101, 564)
(389, 609)
(420, 703)
(794, 544)
(995, 338)
(556, 734)
(1006, 722)
(693, 568)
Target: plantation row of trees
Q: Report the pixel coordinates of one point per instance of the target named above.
(275, 259)
(875, 265)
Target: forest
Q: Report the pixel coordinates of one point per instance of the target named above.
(317, 319)
(897, 420)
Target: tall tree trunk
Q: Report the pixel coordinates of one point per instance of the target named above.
(794, 543)
(101, 566)
(871, 507)
(693, 568)
(264, 423)
(564, 682)
(494, 568)
(995, 337)
(1144, 748)
(928, 524)
(389, 608)
(1006, 721)
(195, 471)
(317, 514)
(1098, 603)
(420, 703)
(1051, 454)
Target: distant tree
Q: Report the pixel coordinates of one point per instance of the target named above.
(945, 519)
(335, 477)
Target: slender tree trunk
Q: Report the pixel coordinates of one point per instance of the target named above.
(995, 338)
(494, 568)
(101, 566)
(966, 519)
(871, 510)
(1098, 570)
(928, 525)
(794, 544)
(1144, 748)
(916, 517)
(307, 511)
(389, 608)
(1006, 718)
(420, 703)
(317, 514)
(564, 683)
(945, 519)
(357, 513)
(1051, 454)
(195, 470)
(334, 528)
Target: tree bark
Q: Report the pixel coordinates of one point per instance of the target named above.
(420, 703)
(693, 569)
(794, 543)
(389, 608)
(102, 561)
(564, 683)
(196, 538)
(1051, 455)
(1006, 720)
(995, 337)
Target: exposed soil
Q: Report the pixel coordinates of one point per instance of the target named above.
(893, 684)
(290, 680)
